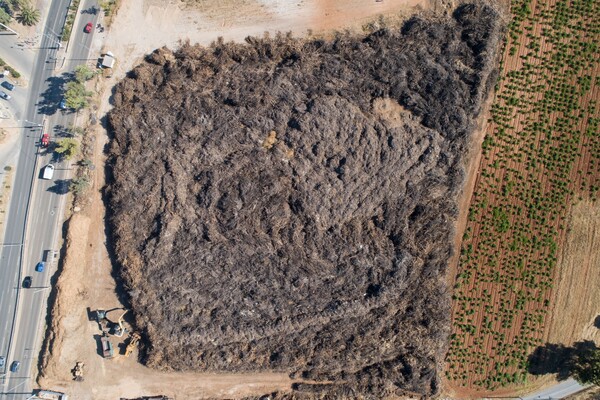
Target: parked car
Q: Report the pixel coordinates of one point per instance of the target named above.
(27, 282)
(4, 95)
(2, 361)
(63, 104)
(88, 27)
(14, 367)
(7, 85)
(40, 266)
(48, 172)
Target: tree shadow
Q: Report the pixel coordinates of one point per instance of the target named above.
(52, 97)
(61, 186)
(558, 359)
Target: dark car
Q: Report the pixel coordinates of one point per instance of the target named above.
(88, 27)
(14, 367)
(7, 85)
(27, 282)
(4, 95)
(40, 266)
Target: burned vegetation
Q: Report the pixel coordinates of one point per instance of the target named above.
(288, 204)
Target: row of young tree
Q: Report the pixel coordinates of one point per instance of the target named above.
(21, 10)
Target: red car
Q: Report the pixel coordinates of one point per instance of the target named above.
(88, 27)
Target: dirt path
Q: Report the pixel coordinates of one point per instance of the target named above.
(577, 304)
(142, 26)
(86, 280)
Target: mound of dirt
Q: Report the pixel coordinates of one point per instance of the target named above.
(288, 204)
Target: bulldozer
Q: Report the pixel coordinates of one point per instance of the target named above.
(133, 340)
(78, 371)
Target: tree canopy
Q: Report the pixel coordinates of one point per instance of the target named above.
(83, 73)
(76, 96)
(586, 368)
(28, 15)
(67, 147)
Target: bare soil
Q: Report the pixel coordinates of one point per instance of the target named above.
(295, 200)
(575, 316)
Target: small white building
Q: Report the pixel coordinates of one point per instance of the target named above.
(108, 61)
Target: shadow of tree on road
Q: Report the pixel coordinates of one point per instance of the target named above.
(61, 186)
(51, 98)
(559, 359)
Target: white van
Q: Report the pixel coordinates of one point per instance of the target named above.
(48, 172)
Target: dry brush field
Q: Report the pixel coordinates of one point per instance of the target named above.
(288, 204)
(541, 153)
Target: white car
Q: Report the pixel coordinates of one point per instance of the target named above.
(4, 95)
(48, 172)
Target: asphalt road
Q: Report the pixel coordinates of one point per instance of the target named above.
(36, 207)
(558, 391)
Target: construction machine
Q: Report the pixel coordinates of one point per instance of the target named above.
(114, 328)
(133, 340)
(107, 347)
(78, 371)
(117, 329)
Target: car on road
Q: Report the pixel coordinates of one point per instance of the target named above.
(14, 367)
(7, 85)
(88, 27)
(2, 361)
(48, 172)
(27, 282)
(4, 95)
(40, 266)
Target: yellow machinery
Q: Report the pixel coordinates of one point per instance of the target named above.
(133, 340)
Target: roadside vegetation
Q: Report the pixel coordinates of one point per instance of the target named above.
(541, 153)
(68, 27)
(13, 72)
(21, 10)
(76, 95)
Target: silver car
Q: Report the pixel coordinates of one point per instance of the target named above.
(4, 95)
(2, 361)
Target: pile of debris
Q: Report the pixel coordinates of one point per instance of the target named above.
(289, 204)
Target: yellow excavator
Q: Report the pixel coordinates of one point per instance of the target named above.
(133, 340)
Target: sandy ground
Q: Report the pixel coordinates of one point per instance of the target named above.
(577, 304)
(139, 27)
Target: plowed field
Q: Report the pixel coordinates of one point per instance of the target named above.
(540, 154)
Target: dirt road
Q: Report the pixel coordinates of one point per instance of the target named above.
(87, 281)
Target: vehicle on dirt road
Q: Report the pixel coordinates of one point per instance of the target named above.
(40, 266)
(88, 27)
(7, 85)
(27, 283)
(4, 95)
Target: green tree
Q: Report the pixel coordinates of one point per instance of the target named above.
(80, 184)
(4, 16)
(28, 15)
(83, 73)
(76, 96)
(76, 130)
(68, 148)
(587, 368)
